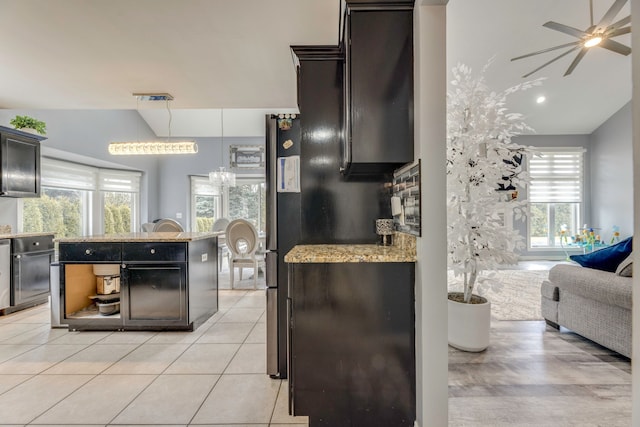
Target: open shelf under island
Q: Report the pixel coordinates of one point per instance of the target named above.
(165, 281)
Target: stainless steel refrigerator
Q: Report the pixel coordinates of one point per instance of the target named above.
(283, 233)
(316, 205)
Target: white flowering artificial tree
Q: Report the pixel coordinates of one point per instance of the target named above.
(480, 156)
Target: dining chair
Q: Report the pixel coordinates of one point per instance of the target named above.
(221, 224)
(147, 227)
(242, 241)
(167, 224)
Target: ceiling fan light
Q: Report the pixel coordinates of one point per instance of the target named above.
(593, 41)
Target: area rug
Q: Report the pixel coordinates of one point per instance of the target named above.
(516, 296)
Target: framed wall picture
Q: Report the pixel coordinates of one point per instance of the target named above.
(247, 156)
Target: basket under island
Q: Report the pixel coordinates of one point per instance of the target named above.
(155, 281)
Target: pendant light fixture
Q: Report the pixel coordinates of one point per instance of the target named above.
(222, 178)
(153, 147)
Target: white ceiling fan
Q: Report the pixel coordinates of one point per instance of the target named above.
(600, 35)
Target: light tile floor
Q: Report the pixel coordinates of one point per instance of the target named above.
(214, 376)
(531, 375)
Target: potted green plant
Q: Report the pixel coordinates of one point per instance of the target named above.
(480, 157)
(26, 123)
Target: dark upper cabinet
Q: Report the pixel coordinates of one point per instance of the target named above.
(19, 163)
(378, 46)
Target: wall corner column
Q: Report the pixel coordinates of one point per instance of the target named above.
(431, 269)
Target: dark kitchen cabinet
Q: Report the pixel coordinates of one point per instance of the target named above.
(336, 209)
(378, 45)
(352, 343)
(31, 257)
(19, 163)
(154, 276)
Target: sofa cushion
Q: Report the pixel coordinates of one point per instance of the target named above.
(594, 284)
(606, 259)
(625, 268)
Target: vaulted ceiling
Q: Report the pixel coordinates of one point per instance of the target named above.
(212, 54)
(498, 30)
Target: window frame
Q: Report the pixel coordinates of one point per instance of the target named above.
(67, 175)
(579, 152)
(199, 181)
(224, 194)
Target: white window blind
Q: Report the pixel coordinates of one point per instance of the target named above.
(68, 175)
(119, 181)
(556, 175)
(203, 187)
(60, 174)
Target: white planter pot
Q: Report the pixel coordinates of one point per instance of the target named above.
(469, 325)
(29, 130)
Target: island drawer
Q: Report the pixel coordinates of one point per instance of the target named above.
(154, 251)
(89, 252)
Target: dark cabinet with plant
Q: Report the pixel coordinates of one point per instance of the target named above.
(19, 163)
(378, 45)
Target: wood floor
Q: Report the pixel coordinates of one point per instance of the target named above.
(534, 375)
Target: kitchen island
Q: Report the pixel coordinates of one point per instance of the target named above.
(138, 281)
(352, 334)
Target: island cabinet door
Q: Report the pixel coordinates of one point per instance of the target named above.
(155, 295)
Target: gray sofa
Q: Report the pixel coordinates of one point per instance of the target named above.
(593, 303)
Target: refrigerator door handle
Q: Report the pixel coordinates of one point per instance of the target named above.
(272, 178)
(272, 269)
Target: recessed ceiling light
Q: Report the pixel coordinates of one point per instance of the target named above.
(541, 99)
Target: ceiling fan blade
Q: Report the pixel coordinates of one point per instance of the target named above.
(621, 23)
(611, 13)
(576, 60)
(619, 32)
(546, 50)
(553, 60)
(565, 29)
(615, 47)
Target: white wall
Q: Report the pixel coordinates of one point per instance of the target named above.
(635, 110)
(612, 173)
(431, 268)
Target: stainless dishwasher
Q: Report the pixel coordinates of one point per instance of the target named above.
(5, 273)
(31, 261)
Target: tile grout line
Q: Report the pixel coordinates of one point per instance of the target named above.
(225, 368)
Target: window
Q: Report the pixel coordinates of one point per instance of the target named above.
(79, 200)
(555, 195)
(119, 191)
(247, 200)
(206, 204)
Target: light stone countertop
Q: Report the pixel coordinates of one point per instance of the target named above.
(16, 235)
(186, 236)
(310, 254)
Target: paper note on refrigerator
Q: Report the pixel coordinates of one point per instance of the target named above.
(288, 174)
